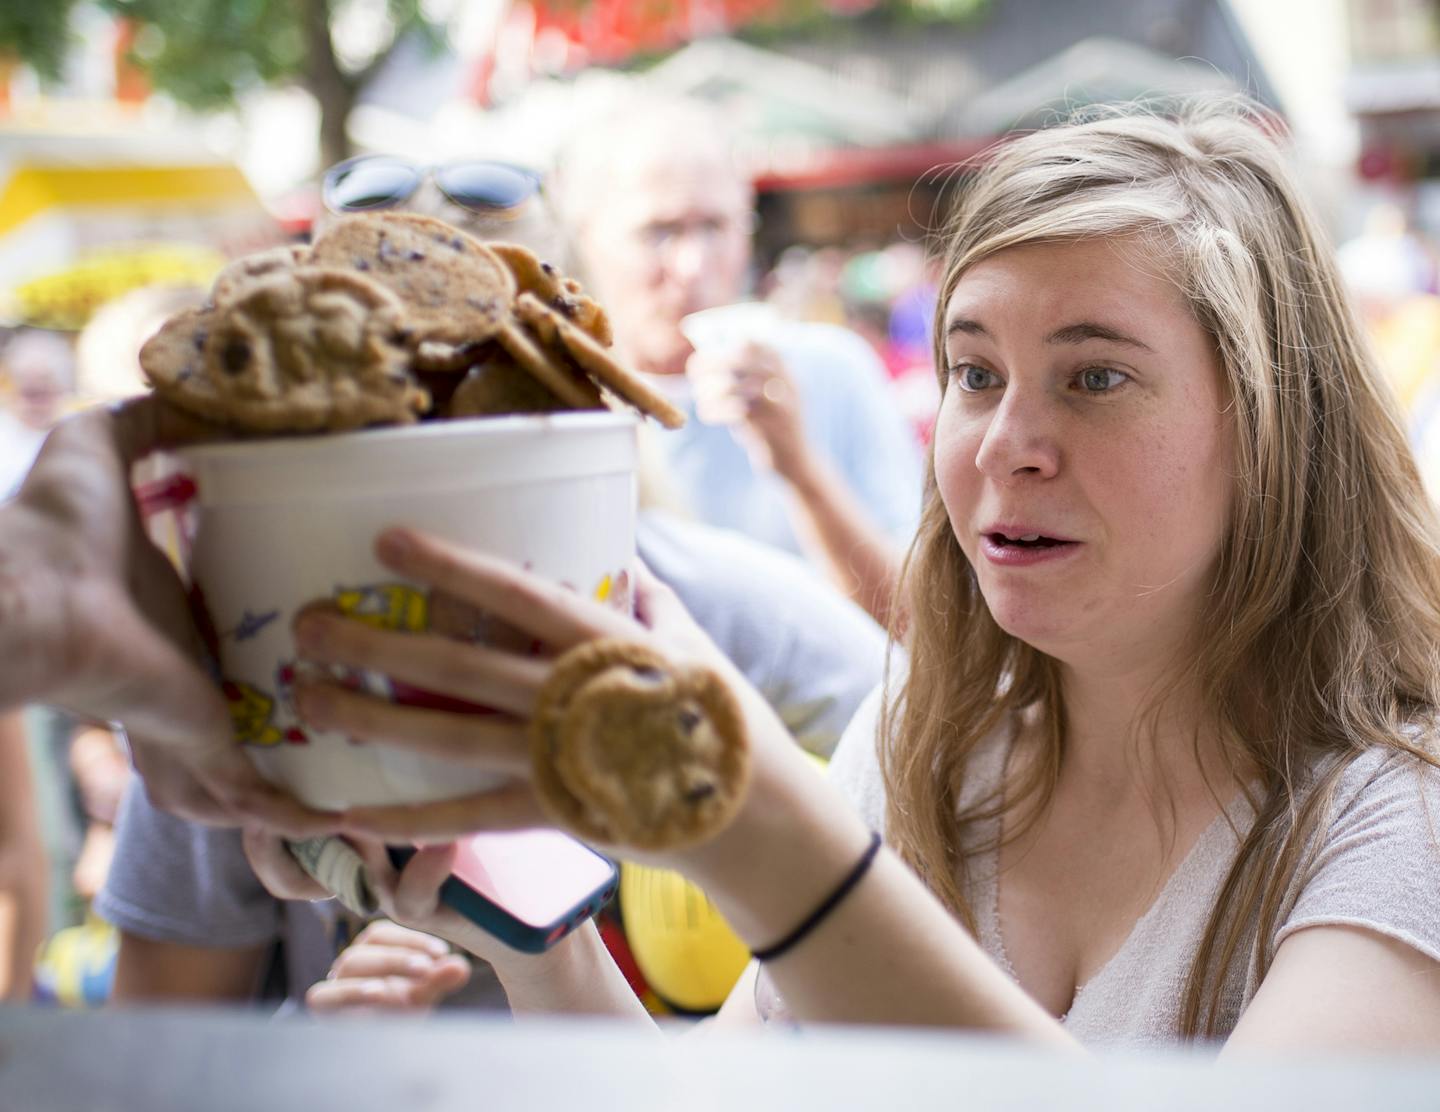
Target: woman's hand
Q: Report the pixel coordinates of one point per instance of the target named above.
(504, 682)
(760, 868)
(390, 968)
(409, 896)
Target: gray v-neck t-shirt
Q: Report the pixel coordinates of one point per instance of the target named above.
(1377, 867)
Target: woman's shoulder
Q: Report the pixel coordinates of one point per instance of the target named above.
(1376, 857)
(1390, 779)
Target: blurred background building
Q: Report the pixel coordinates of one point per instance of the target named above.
(145, 141)
(1393, 90)
(850, 109)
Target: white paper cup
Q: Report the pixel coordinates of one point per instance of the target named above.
(281, 523)
(714, 334)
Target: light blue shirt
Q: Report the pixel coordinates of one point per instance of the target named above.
(849, 416)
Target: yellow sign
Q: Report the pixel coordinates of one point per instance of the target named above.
(67, 298)
(32, 190)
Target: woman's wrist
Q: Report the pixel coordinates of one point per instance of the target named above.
(575, 976)
(792, 843)
(567, 957)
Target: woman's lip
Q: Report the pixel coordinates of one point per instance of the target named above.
(1019, 556)
(1015, 530)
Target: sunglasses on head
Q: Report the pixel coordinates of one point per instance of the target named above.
(379, 182)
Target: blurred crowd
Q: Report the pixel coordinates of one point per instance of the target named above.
(885, 294)
(1393, 269)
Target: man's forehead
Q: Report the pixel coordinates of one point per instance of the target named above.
(664, 191)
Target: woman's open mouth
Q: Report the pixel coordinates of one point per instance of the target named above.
(1015, 548)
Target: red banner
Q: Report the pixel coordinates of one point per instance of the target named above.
(606, 32)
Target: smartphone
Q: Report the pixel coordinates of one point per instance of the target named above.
(528, 888)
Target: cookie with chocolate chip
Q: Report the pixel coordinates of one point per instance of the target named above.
(496, 385)
(241, 272)
(455, 290)
(565, 295)
(631, 749)
(557, 375)
(559, 334)
(293, 351)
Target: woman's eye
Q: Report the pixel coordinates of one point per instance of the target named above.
(1097, 380)
(972, 378)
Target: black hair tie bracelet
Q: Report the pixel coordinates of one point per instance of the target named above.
(816, 917)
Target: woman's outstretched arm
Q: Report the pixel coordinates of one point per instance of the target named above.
(887, 952)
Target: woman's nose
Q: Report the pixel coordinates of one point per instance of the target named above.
(1020, 439)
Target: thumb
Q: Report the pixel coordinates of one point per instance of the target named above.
(146, 424)
(655, 602)
(142, 679)
(447, 975)
(417, 892)
(276, 868)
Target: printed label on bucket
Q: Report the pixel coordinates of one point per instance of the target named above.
(269, 718)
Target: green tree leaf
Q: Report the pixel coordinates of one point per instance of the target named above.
(37, 32)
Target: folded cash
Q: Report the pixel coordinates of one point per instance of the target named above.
(337, 868)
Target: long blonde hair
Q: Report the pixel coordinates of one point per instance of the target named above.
(1323, 623)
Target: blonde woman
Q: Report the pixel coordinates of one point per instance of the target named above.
(1163, 762)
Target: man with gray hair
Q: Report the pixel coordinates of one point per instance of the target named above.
(39, 371)
(816, 459)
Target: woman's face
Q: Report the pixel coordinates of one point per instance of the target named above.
(1083, 449)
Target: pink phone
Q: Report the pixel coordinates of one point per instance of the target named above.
(529, 888)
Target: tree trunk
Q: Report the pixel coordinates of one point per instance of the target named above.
(327, 82)
(335, 145)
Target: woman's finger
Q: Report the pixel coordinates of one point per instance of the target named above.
(384, 932)
(496, 741)
(450, 974)
(656, 605)
(556, 615)
(476, 674)
(659, 609)
(412, 892)
(512, 807)
(267, 805)
(222, 789)
(277, 869)
(356, 962)
(379, 872)
(143, 424)
(385, 994)
(417, 892)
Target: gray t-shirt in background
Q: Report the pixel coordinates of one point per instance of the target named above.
(177, 881)
(1378, 867)
(813, 654)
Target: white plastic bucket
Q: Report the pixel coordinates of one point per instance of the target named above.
(284, 522)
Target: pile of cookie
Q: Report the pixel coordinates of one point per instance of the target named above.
(388, 318)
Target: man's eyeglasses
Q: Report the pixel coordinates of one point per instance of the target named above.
(381, 181)
(709, 230)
